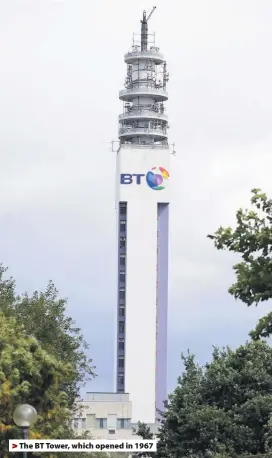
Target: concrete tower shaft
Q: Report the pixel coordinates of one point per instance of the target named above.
(143, 197)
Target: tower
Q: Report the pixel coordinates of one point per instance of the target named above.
(143, 161)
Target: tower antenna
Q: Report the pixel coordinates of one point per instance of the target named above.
(144, 29)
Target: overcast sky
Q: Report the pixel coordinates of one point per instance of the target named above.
(61, 70)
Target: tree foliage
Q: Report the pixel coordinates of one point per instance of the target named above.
(252, 239)
(143, 431)
(28, 374)
(43, 316)
(43, 362)
(222, 408)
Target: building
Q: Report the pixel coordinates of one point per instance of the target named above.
(143, 162)
(105, 416)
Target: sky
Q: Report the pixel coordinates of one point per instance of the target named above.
(61, 69)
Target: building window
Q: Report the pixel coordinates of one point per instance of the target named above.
(76, 423)
(123, 225)
(121, 362)
(123, 423)
(111, 431)
(121, 311)
(91, 422)
(122, 242)
(121, 327)
(101, 423)
(122, 260)
(123, 208)
(122, 277)
(122, 293)
(83, 423)
(112, 421)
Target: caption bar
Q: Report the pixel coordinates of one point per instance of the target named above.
(48, 445)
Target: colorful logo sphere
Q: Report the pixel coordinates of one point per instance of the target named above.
(156, 177)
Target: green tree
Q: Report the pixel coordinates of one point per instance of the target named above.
(28, 374)
(222, 408)
(143, 431)
(252, 239)
(43, 316)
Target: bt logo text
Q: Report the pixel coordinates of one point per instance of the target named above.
(128, 178)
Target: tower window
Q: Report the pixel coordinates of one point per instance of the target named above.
(122, 293)
(122, 277)
(122, 242)
(121, 311)
(120, 379)
(121, 344)
(123, 225)
(122, 260)
(123, 208)
(121, 362)
(121, 327)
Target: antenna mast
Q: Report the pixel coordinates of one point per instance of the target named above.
(144, 29)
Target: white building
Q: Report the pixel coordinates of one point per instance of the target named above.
(143, 163)
(105, 416)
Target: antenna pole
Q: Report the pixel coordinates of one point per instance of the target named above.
(144, 33)
(144, 30)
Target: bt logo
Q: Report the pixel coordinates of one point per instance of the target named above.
(128, 178)
(155, 178)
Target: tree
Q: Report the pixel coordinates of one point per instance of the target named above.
(28, 374)
(143, 431)
(223, 408)
(252, 238)
(43, 316)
